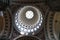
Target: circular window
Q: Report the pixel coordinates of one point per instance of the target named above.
(28, 20)
(29, 14)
